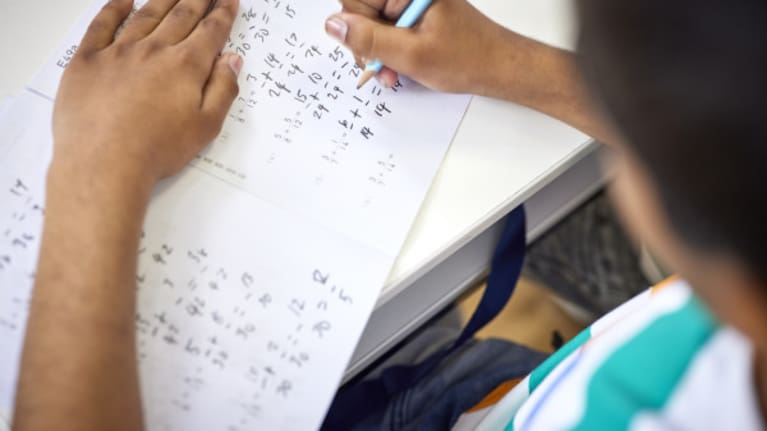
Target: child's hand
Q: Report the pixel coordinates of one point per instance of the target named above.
(142, 104)
(451, 49)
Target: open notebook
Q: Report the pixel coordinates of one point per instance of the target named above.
(261, 262)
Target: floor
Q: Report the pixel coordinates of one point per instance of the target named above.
(530, 318)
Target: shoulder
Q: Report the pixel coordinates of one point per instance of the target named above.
(642, 364)
(716, 390)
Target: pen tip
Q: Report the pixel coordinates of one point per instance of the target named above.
(365, 78)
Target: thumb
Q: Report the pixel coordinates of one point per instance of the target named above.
(371, 40)
(222, 87)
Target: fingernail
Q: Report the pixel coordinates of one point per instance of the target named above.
(385, 81)
(235, 62)
(336, 28)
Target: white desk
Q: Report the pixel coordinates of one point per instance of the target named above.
(503, 155)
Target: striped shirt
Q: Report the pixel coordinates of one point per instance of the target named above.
(660, 361)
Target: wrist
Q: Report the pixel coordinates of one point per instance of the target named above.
(490, 80)
(546, 79)
(78, 165)
(515, 70)
(99, 188)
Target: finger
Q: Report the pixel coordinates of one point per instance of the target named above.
(394, 8)
(101, 31)
(181, 20)
(146, 19)
(221, 89)
(210, 35)
(389, 9)
(368, 8)
(370, 39)
(387, 77)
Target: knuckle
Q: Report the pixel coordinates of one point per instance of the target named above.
(183, 11)
(214, 24)
(82, 57)
(98, 25)
(121, 48)
(188, 57)
(146, 13)
(152, 46)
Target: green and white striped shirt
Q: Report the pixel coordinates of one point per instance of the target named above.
(658, 362)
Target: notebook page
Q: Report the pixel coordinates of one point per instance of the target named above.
(5, 102)
(302, 137)
(25, 145)
(259, 264)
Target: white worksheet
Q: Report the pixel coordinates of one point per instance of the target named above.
(261, 262)
(5, 102)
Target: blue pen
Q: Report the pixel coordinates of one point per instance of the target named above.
(412, 14)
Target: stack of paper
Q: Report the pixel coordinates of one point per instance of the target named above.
(260, 263)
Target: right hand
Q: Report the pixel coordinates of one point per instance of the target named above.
(452, 48)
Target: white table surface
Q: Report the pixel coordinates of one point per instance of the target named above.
(501, 156)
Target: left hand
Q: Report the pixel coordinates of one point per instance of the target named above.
(131, 109)
(142, 104)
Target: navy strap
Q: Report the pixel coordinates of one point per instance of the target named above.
(355, 402)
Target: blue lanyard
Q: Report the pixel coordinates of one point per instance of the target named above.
(356, 401)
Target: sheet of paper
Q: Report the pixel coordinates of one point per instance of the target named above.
(300, 135)
(24, 155)
(5, 102)
(262, 261)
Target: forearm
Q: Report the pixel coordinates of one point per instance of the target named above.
(79, 363)
(112, 143)
(455, 48)
(546, 79)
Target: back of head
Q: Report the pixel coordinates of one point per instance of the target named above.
(686, 83)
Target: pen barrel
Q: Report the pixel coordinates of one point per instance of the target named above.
(374, 66)
(413, 13)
